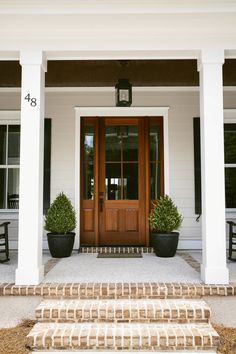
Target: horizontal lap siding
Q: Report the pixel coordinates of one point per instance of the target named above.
(183, 107)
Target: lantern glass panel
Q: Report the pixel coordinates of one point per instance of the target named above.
(124, 95)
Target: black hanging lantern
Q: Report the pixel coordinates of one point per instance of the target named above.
(123, 93)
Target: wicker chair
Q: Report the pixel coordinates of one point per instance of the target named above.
(4, 246)
(13, 201)
(232, 239)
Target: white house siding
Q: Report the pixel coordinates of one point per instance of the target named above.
(184, 105)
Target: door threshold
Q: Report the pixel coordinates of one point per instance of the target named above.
(115, 249)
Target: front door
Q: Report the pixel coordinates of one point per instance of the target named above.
(122, 171)
(121, 182)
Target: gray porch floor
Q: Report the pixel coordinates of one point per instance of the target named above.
(184, 267)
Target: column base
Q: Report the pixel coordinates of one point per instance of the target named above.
(214, 275)
(29, 276)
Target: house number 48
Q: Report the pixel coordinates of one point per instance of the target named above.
(32, 100)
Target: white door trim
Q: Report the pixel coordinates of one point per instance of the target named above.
(117, 112)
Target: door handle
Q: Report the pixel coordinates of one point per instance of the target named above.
(101, 204)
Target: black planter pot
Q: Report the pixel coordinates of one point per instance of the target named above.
(61, 246)
(165, 244)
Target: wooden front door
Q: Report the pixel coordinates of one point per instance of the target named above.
(122, 171)
(121, 182)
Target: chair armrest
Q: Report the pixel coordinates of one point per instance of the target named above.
(231, 223)
(5, 223)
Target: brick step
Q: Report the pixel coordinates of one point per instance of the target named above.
(123, 311)
(118, 290)
(122, 336)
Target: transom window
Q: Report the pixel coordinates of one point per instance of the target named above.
(230, 164)
(9, 165)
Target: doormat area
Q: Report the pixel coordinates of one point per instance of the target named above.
(119, 255)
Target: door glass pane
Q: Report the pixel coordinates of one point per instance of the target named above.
(113, 143)
(88, 140)
(113, 181)
(88, 162)
(130, 142)
(13, 145)
(130, 180)
(13, 188)
(3, 137)
(88, 181)
(230, 189)
(154, 181)
(154, 142)
(2, 188)
(121, 177)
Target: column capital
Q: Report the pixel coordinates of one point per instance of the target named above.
(210, 56)
(33, 57)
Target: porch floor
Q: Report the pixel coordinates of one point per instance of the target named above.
(83, 267)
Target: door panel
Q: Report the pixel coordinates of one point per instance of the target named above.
(131, 220)
(111, 219)
(88, 216)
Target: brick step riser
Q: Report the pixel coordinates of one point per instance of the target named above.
(66, 320)
(123, 311)
(162, 348)
(123, 339)
(118, 291)
(64, 316)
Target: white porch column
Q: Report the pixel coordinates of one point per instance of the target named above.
(30, 269)
(213, 268)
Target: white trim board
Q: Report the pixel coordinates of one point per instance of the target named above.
(230, 115)
(117, 7)
(9, 116)
(117, 112)
(110, 89)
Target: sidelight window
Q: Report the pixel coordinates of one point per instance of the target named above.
(88, 161)
(155, 161)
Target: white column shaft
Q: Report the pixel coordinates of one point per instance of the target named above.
(30, 269)
(213, 269)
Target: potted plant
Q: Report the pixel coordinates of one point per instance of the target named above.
(164, 219)
(60, 221)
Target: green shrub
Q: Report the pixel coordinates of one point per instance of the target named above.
(60, 218)
(164, 216)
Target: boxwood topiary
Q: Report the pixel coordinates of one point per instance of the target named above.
(164, 216)
(60, 218)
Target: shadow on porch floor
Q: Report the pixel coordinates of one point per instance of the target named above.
(184, 267)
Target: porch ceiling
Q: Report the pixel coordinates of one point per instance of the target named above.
(98, 73)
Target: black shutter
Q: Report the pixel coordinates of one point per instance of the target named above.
(197, 165)
(47, 165)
